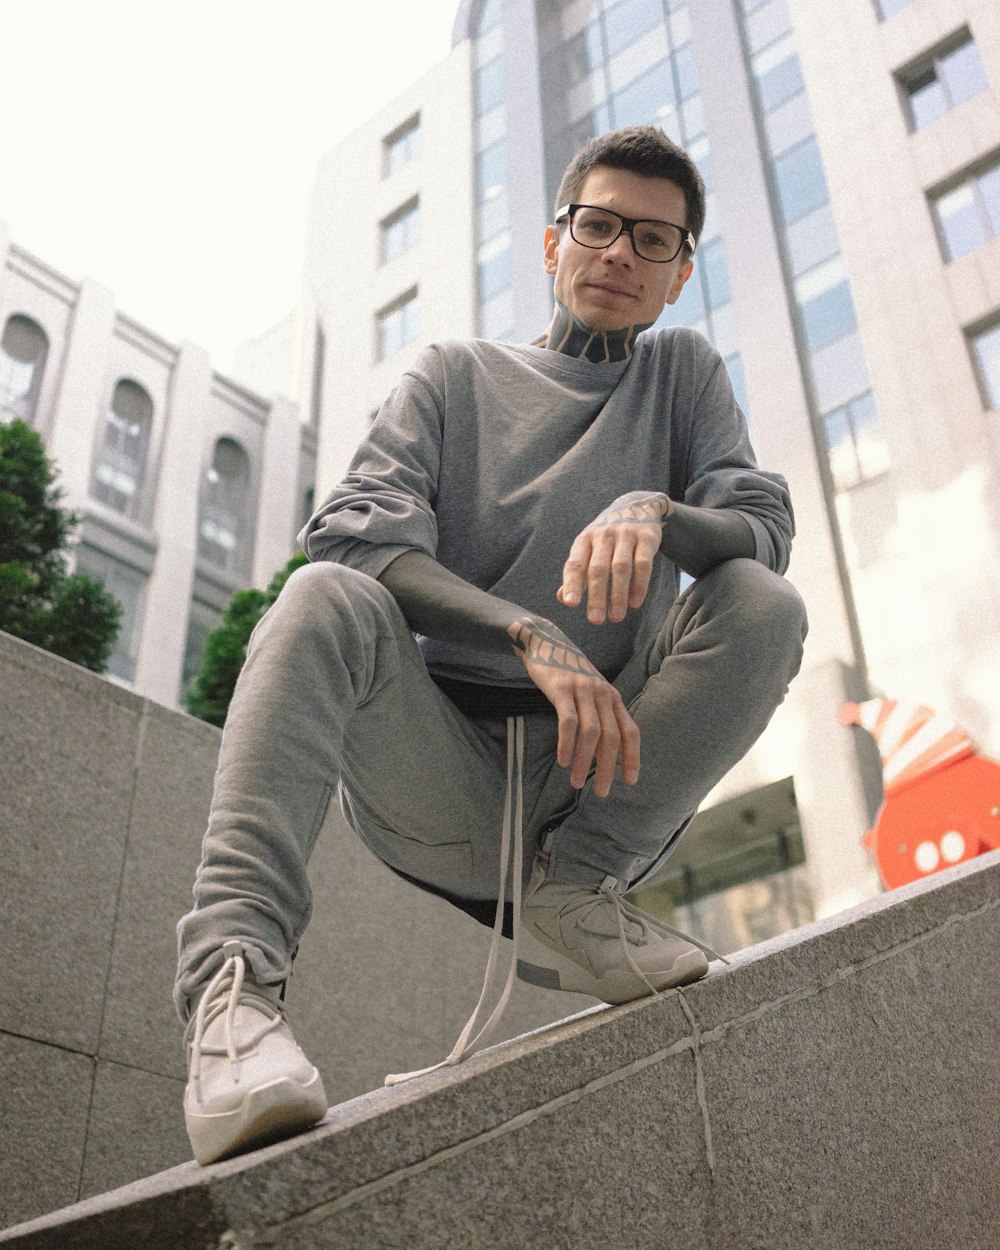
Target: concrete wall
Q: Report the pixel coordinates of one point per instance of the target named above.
(834, 1088)
(103, 802)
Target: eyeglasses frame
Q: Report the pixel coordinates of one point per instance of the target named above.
(627, 227)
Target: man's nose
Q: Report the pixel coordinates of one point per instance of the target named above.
(622, 251)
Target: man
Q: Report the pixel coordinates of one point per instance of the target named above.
(524, 510)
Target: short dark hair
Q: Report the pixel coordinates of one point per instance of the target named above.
(643, 150)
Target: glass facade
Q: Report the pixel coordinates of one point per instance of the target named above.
(632, 62)
(846, 414)
(494, 258)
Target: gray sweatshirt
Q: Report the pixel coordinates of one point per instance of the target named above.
(492, 458)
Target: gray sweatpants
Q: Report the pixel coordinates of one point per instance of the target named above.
(335, 696)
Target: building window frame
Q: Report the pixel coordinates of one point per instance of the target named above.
(400, 231)
(401, 146)
(21, 367)
(225, 507)
(397, 324)
(981, 187)
(934, 69)
(982, 338)
(120, 463)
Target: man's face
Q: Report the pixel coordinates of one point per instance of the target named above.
(614, 288)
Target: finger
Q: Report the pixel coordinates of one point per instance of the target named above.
(587, 738)
(607, 753)
(642, 570)
(598, 574)
(630, 744)
(574, 571)
(622, 562)
(566, 742)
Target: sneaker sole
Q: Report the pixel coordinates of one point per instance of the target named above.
(267, 1114)
(550, 970)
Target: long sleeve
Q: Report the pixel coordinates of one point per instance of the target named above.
(385, 503)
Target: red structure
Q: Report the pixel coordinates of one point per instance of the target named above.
(942, 799)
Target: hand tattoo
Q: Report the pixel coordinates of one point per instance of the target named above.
(542, 643)
(637, 509)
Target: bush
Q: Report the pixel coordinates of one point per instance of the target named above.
(70, 615)
(210, 693)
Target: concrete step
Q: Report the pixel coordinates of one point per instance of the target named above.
(834, 1088)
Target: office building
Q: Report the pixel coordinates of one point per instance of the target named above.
(849, 275)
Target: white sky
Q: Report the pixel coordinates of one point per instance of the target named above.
(167, 147)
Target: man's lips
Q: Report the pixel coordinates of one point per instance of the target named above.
(609, 289)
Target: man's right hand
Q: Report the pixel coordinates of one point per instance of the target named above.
(594, 724)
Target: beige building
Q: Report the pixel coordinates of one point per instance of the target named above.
(849, 274)
(188, 486)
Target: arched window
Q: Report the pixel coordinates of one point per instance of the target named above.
(22, 361)
(121, 459)
(221, 530)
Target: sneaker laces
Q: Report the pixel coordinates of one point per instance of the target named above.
(212, 1004)
(608, 892)
(511, 835)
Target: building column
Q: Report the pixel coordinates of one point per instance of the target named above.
(82, 394)
(175, 522)
(277, 504)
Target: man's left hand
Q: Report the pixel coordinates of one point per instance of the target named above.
(615, 552)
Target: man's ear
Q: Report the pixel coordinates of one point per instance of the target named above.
(551, 249)
(683, 274)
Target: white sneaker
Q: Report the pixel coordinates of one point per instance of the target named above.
(248, 1081)
(592, 940)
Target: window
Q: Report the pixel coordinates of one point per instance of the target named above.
(23, 350)
(800, 180)
(489, 15)
(495, 267)
(686, 70)
(491, 171)
(889, 8)
(627, 20)
(489, 85)
(582, 54)
(950, 78)
(969, 215)
(778, 73)
(128, 586)
(825, 304)
(855, 443)
(986, 346)
(121, 460)
(221, 528)
(201, 622)
(402, 146)
(649, 98)
(401, 231)
(398, 325)
(712, 259)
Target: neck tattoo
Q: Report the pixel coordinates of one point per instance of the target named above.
(601, 347)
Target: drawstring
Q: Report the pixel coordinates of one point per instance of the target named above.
(512, 833)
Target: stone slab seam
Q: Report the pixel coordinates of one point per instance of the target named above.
(136, 758)
(274, 1235)
(842, 974)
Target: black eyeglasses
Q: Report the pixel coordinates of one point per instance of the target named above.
(658, 241)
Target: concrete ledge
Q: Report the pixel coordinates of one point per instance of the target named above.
(836, 1087)
(104, 798)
